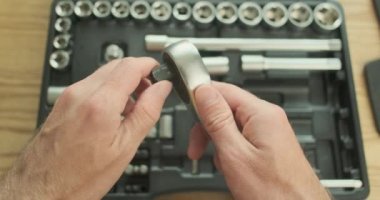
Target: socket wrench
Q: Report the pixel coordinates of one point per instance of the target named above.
(61, 41)
(161, 11)
(120, 9)
(63, 25)
(327, 16)
(83, 8)
(226, 13)
(102, 9)
(64, 8)
(113, 52)
(59, 60)
(203, 13)
(252, 63)
(300, 15)
(182, 11)
(140, 10)
(159, 42)
(250, 14)
(275, 14)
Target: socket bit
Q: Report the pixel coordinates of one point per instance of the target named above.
(182, 11)
(129, 170)
(161, 11)
(61, 41)
(226, 13)
(102, 9)
(63, 25)
(140, 10)
(53, 92)
(300, 15)
(59, 60)
(203, 13)
(327, 16)
(250, 14)
(341, 183)
(83, 8)
(113, 52)
(166, 127)
(275, 14)
(217, 65)
(144, 169)
(120, 9)
(64, 8)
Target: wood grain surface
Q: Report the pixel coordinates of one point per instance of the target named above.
(23, 34)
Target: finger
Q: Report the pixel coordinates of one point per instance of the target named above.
(144, 84)
(129, 106)
(216, 117)
(198, 142)
(124, 79)
(144, 115)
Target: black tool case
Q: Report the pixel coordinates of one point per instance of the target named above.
(320, 105)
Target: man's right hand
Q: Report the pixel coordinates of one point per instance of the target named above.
(256, 148)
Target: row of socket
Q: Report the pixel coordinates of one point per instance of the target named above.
(327, 16)
(138, 169)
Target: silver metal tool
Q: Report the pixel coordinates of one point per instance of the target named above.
(161, 11)
(182, 11)
(226, 13)
(112, 52)
(159, 42)
(300, 15)
(257, 63)
(194, 167)
(327, 16)
(217, 65)
(140, 10)
(129, 170)
(64, 8)
(144, 169)
(102, 9)
(61, 41)
(53, 92)
(166, 127)
(152, 133)
(83, 8)
(275, 14)
(63, 25)
(341, 183)
(120, 9)
(250, 14)
(203, 13)
(59, 60)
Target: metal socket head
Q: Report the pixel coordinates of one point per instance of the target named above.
(300, 14)
(250, 14)
(120, 9)
(102, 9)
(204, 12)
(226, 12)
(59, 60)
(64, 8)
(83, 8)
(328, 16)
(61, 41)
(63, 24)
(182, 11)
(140, 10)
(161, 11)
(275, 14)
(113, 52)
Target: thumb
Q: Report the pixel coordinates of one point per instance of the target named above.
(216, 116)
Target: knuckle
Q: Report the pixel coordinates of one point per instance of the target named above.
(93, 108)
(147, 114)
(278, 112)
(69, 94)
(218, 120)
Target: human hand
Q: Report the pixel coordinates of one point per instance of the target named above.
(90, 136)
(255, 146)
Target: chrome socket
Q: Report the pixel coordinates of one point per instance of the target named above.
(64, 8)
(113, 52)
(161, 11)
(182, 11)
(140, 10)
(327, 16)
(204, 13)
(275, 14)
(53, 92)
(300, 15)
(226, 13)
(250, 14)
(102, 9)
(59, 60)
(63, 25)
(120, 9)
(83, 8)
(61, 41)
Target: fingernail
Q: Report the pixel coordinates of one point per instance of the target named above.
(206, 95)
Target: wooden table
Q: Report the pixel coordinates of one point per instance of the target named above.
(23, 33)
